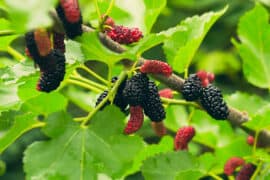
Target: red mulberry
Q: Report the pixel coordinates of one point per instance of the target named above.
(159, 128)
(232, 164)
(136, 120)
(212, 101)
(70, 15)
(246, 172)
(135, 88)
(43, 42)
(250, 140)
(58, 41)
(166, 93)
(52, 71)
(125, 35)
(182, 138)
(192, 88)
(152, 105)
(156, 67)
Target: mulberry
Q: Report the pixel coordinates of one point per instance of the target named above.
(136, 120)
(100, 98)
(119, 99)
(250, 140)
(212, 101)
(205, 77)
(232, 164)
(135, 88)
(58, 41)
(52, 72)
(156, 67)
(152, 105)
(166, 93)
(70, 15)
(246, 172)
(31, 46)
(183, 137)
(124, 35)
(192, 88)
(159, 128)
(27, 53)
(43, 42)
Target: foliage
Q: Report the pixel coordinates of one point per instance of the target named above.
(80, 142)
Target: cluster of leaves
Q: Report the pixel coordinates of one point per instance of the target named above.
(73, 151)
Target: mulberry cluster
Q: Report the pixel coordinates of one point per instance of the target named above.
(183, 137)
(198, 86)
(50, 61)
(124, 35)
(232, 164)
(69, 13)
(156, 67)
(136, 120)
(213, 103)
(246, 172)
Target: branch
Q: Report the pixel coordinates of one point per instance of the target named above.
(236, 117)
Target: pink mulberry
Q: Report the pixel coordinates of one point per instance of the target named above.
(136, 120)
(232, 164)
(182, 138)
(156, 67)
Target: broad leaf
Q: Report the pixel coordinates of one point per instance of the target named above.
(76, 152)
(168, 166)
(260, 120)
(254, 34)
(182, 46)
(22, 124)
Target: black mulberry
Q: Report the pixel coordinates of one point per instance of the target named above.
(212, 101)
(246, 172)
(32, 46)
(152, 104)
(100, 98)
(192, 88)
(134, 91)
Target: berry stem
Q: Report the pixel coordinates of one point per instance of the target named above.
(77, 76)
(190, 116)
(121, 78)
(98, 11)
(255, 142)
(18, 56)
(95, 75)
(258, 169)
(109, 10)
(110, 66)
(186, 73)
(180, 102)
(84, 85)
(6, 33)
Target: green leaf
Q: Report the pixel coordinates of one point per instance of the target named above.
(94, 50)
(8, 96)
(23, 123)
(73, 52)
(152, 10)
(252, 105)
(5, 42)
(260, 120)
(254, 34)
(27, 15)
(165, 145)
(182, 46)
(190, 174)
(76, 152)
(168, 166)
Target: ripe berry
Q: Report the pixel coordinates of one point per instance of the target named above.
(250, 140)
(135, 88)
(183, 137)
(70, 15)
(212, 101)
(159, 128)
(136, 120)
(100, 98)
(58, 41)
(156, 67)
(109, 22)
(246, 172)
(232, 164)
(52, 71)
(32, 46)
(124, 35)
(166, 93)
(27, 53)
(152, 104)
(192, 88)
